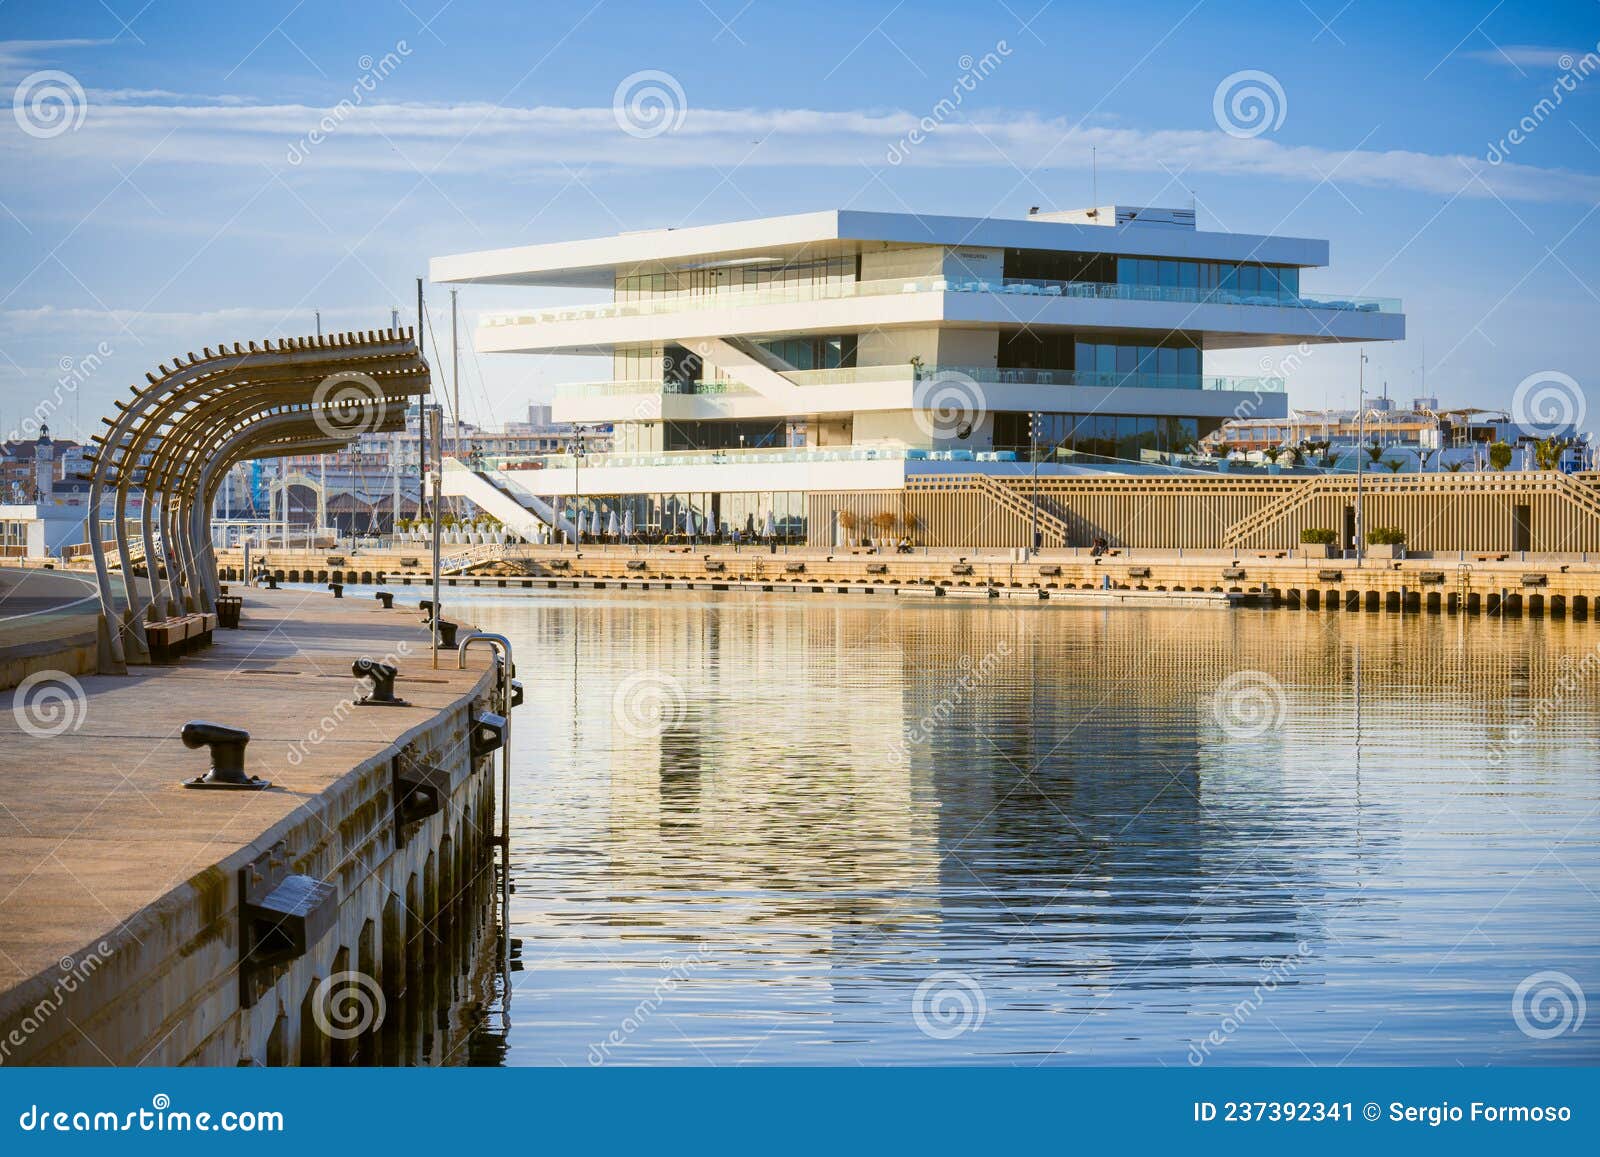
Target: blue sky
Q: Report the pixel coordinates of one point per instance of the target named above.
(183, 200)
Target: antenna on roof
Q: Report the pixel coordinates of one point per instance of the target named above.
(1094, 171)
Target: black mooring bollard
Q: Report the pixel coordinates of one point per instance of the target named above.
(272, 582)
(447, 633)
(337, 589)
(386, 598)
(227, 756)
(382, 676)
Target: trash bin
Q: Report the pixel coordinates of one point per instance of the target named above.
(228, 608)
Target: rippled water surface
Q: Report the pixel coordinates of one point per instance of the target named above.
(840, 830)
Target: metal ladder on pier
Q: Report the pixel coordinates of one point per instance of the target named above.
(507, 695)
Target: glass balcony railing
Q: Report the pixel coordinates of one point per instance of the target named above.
(759, 456)
(1020, 287)
(646, 387)
(984, 375)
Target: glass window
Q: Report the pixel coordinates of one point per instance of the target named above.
(1188, 274)
(1289, 280)
(1127, 271)
(1105, 359)
(1147, 271)
(1188, 360)
(1167, 362)
(1228, 277)
(1169, 273)
(1269, 282)
(1249, 280)
(1127, 358)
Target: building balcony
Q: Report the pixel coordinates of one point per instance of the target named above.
(1216, 318)
(863, 389)
(1021, 287)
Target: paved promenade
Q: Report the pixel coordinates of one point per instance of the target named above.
(95, 826)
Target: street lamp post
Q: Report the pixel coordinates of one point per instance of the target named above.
(1361, 448)
(578, 450)
(1033, 453)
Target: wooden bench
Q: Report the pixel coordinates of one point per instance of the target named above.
(169, 638)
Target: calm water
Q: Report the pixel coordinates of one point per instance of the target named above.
(828, 830)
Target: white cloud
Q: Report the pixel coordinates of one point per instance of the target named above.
(19, 57)
(512, 143)
(1525, 56)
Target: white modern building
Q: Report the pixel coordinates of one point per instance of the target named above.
(742, 366)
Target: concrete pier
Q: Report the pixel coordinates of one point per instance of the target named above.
(1466, 583)
(121, 928)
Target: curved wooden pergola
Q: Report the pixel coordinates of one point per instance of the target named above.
(176, 439)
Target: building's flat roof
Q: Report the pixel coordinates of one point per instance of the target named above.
(595, 262)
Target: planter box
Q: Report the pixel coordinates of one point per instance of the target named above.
(1319, 550)
(1386, 550)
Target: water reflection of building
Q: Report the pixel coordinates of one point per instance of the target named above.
(752, 788)
(1076, 827)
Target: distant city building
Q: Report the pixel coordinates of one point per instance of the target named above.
(1445, 435)
(32, 469)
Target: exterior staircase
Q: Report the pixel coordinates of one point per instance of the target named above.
(1053, 529)
(523, 512)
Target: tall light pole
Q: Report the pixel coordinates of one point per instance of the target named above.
(1361, 447)
(578, 450)
(455, 375)
(1033, 453)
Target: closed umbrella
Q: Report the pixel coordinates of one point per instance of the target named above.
(772, 527)
(627, 524)
(694, 523)
(613, 527)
